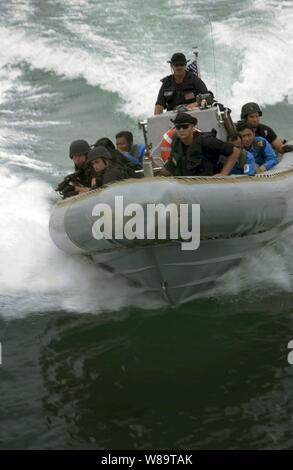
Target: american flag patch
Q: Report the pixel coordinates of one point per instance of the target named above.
(189, 96)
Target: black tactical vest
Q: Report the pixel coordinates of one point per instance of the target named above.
(84, 174)
(193, 162)
(176, 94)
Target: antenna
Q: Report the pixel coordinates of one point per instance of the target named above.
(214, 57)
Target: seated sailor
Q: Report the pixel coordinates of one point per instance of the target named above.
(131, 166)
(124, 143)
(245, 164)
(251, 113)
(79, 181)
(196, 153)
(181, 87)
(166, 142)
(105, 168)
(264, 155)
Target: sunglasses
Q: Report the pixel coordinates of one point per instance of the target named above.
(179, 64)
(182, 126)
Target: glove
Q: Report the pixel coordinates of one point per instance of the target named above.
(260, 168)
(287, 148)
(181, 108)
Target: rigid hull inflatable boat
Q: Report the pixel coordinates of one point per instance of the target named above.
(235, 219)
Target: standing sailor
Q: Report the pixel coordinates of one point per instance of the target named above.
(181, 87)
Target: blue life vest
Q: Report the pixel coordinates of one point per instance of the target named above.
(263, 153)
(135, 154)
(245, 164)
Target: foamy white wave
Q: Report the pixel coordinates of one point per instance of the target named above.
(107, 46)
(39, 124)
(268, 269)
(76, 3)
(253, 50)
(8, 77)
(33, 94)
(261, 51)
(34, 275)
(23, 160)
(11, 135)
(10, 83)
(21, 9)
(135, 85)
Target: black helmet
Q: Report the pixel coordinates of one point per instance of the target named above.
(250, 108)
(99, 152)
(79, 147)
(105, 142)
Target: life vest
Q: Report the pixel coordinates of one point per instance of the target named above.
(193, 162)
(137, 150)
(134, 151)
(166, 142)
(263, 153)
(242, 158)
(245, 164)
(257, 149)
(128, 167)
(84, 174)
(183, 93)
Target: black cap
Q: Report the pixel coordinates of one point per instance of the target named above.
(178, 58)
(184, 118)
(79, 147)
(99, 152)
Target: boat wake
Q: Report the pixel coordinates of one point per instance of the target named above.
(256, 36)
(264, 272)
(34, 275)
(261, 29)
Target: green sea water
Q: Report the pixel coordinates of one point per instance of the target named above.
(202, 376)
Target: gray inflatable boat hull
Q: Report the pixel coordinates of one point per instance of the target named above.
(238, 215)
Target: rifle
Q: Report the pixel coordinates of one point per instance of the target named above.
(66, 187)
